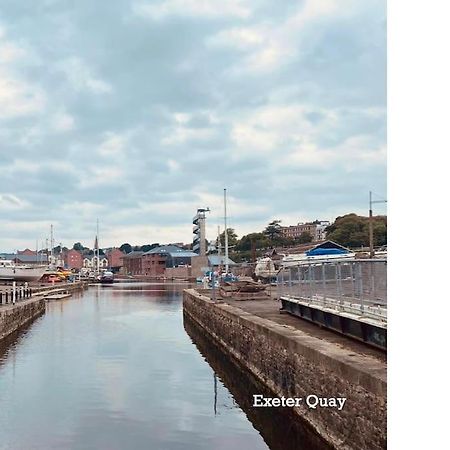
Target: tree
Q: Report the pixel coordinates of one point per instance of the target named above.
(126, 248)
(232, 238)
(259, 240)
(352, 230)
(273, 230)
(304, 238)
(79, 247)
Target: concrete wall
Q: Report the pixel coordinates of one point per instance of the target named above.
(293, 364)
(13, 317)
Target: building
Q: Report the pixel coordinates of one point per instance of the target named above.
(28, 258)
(115, 259)
(199, 222)
(315, 229)
(73, 259)
(132, 263)
(157, 260)
(90, 262)
(153, 265)
(321, 226)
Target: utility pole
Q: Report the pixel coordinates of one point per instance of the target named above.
(371, 202)
(226, 231)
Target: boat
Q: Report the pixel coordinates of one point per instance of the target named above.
(106, 277)
(20, 272)
(323, 252)
(265, 270)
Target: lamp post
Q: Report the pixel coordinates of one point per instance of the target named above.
(371, 202)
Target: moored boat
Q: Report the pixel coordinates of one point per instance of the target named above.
(106, 277)
(20, 272)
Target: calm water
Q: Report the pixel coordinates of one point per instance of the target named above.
(118, 367)
(114, 368)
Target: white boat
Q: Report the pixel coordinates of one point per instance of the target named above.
(295, 260)
(323, 252)
(20, 272)
(265, 269)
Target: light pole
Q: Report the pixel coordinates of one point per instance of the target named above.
(371, 202)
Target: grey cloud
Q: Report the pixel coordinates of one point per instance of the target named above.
(136, 76)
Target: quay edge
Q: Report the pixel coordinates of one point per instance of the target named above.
(291, 363)
(14, 317)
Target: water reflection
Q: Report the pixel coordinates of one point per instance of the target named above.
(278, 427)
(111, 369)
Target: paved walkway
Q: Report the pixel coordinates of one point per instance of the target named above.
(270, 309)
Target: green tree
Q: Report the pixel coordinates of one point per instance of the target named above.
(259, 240)
(273, 230)
(304, 238)
(232, 238)
(352, 230)
(126, 248)
(79, 247)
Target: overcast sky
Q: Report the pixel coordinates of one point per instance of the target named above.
(139, 112)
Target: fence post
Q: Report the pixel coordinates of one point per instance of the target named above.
(339, 271)
(360, 283)
(352, 280)
(290, 281)
(324, 283)
(14, 293)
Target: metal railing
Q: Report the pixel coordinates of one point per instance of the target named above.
(15, 294)
(358, 286)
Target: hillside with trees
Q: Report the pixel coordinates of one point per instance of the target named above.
(352, 231)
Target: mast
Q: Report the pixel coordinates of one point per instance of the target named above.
(98, 252)
(51, 244)
(219, 244)
(226, 230)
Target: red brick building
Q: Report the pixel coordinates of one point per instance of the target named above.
(73, 259)
(115, 258)
(153, 264)
(132, 263)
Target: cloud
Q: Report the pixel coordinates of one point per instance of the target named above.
(11, 201)
(144, 116)
(209, 9)
(81, 76)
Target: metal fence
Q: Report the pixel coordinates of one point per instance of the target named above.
(356, 284)
(15, 294)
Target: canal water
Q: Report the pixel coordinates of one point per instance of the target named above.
(116, 368)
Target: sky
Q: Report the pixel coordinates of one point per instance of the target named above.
(138, 112)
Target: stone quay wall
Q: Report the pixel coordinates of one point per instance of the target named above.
(14, 317)
(291, 363)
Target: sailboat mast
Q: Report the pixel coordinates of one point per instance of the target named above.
(226, 230)
(98, 252)
(51, 244)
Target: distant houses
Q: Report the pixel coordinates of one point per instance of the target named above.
(315, 229)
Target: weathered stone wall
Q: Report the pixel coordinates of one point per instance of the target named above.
(293, 364)
(13, 317)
